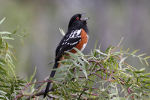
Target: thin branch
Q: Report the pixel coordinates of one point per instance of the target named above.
(33, 95)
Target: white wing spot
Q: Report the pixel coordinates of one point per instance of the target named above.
(75, 33)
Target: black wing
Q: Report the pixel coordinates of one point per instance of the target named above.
(68, 42)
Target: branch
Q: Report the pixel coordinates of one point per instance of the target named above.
(21, 94)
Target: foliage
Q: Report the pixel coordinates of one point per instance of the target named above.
(102, 75)
(10, 84)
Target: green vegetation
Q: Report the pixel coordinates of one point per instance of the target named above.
(10, 84)
(100, 75)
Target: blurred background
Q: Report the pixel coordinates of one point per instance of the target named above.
(40, 21)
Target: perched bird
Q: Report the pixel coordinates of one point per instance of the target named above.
(76, 36)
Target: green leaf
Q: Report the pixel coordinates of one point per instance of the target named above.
(121, 61)
(74, 56)
(140, 71)
(146, 62)
(85, 73)
(100, 52)
(78, 51)
(1, 41)
(148, 57)
(62, 31)
(5, 32)
(2, 62)
(147, 74)
(7, 38)
(33, 75)
(2, 20)
(135, 51)
(143, 54)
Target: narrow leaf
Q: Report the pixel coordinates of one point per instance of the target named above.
(148, 57)
(5, 32)
(2, 20)
(61, 31)
(7, 38)
(135, 51)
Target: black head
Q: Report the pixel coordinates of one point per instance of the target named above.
(77, 20)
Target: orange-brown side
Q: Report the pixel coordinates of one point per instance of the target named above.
(84, 40)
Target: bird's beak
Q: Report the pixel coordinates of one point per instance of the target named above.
(84, 18)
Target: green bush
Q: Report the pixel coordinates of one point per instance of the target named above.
(10, 84)
(102, 75)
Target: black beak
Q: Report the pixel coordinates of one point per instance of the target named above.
(84, 18)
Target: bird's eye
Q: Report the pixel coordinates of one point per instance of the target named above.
(77, 18)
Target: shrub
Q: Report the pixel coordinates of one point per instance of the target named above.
(10, 84)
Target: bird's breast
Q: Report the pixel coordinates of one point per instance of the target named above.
(83, 42)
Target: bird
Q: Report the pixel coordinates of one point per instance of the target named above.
(75, 37)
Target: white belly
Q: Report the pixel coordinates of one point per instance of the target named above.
(84, 45)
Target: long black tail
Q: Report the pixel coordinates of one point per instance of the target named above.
(51, 75)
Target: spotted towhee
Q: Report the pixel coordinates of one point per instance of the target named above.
(76, 36)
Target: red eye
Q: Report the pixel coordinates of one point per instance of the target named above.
(77, 18)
